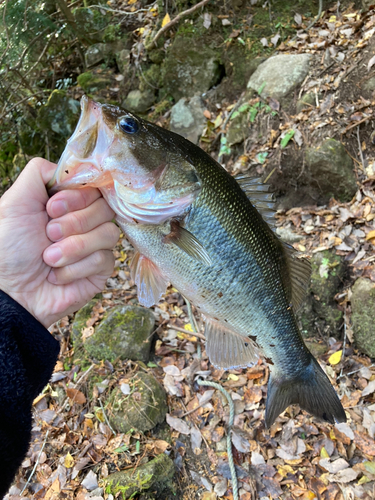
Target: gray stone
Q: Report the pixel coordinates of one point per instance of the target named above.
(122, 60)
(96, 54)
(363, 314)
(190, 67)
(124, 333)
(156, 475)
(307, 101)
(138, 101)
(187, 118)
(59, 114)
(142, 409)
(369, 84)
(238, 129)
(331, 169)
(327, 276)
(81, 318)
(280, 74)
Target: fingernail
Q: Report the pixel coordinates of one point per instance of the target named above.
(54, 231)
(53, 254)
(52, 277)
(59, 208)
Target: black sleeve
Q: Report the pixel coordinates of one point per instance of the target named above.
(28, 354)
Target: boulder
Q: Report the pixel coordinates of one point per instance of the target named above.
(125, 333)
(138, 101)
(94, 81)
(330, 169)
(142, 409)
(328, 270)
(190, 67)
(122, 59)
(187, 118)
(279, 75)
(156, 475)
(59, 114)
(363, 314)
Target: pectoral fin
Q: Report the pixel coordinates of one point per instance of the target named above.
(226, 348)
(150, 281)
(188, 243)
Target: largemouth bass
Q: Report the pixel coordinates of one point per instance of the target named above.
(195, 226)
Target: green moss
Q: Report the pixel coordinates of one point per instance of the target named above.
(112, 33)
(156, 475)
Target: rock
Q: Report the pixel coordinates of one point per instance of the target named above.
(307, 101)
(125, 333)
(96, 54)
(238, 129)
(80, 319)
(279, 75)
(190, 67)
(156, 475)
(331, 168)
(363, 314)
(94, 81)
(138, 101)
(59, 114)
(328, 270)
(142, 409)
(122, 59)
(369, 85)
(187, 118)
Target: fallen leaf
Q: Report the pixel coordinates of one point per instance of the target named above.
(178, 424)
(335, 358)
(76, 396)
(364, 443)
(68, 461)
(335, 466)
(166, 20)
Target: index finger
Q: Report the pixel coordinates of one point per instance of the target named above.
(67, 201)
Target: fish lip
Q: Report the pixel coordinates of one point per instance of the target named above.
(70, 161)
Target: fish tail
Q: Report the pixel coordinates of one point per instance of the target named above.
(312, 391)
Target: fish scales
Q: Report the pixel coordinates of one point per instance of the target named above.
(194, 226)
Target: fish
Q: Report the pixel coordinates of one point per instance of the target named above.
(210, 235)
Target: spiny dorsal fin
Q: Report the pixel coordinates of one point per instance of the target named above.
(188, 243)
(299, 272)
(258, 194)
(226, 348)
(151, 283)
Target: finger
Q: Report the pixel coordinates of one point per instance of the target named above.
(75, 248)
(29, 189)
(100, 263)
(80, 221)
(69, 201)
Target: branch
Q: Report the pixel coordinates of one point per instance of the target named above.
(175, 21)
(20, 102)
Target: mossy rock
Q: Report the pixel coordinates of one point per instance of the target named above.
(190, 67)
(59, 114)
(331, 169)
(320, 304)
(138, 101)
(156, 475)
(91, 81)
(142, 410)
(80, 320)
(363, 314)
(125, 333)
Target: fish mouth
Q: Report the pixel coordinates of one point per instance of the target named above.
(80, 162)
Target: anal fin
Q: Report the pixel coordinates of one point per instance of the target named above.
(228, 349)
(150, 281)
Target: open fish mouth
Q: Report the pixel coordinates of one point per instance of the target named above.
(80, 163)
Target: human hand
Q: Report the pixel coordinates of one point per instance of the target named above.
(56, 254)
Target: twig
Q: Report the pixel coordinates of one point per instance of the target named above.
(360, 150)
(344, 344)
(355, 371)
(173, 22)
(84, 374)
(21, 101)
(105, 417)
(122, 12)
(229, 432)
(358, 123)
(193, 334)
(36, 463)
(317, 17)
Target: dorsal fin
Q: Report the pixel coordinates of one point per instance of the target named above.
(299, 274)
(258, 194)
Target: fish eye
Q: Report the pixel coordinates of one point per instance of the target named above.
(129, 125)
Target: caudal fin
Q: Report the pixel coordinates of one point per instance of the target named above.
(313, 392)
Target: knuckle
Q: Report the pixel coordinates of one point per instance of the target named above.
(79, 222)
(78, 244)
